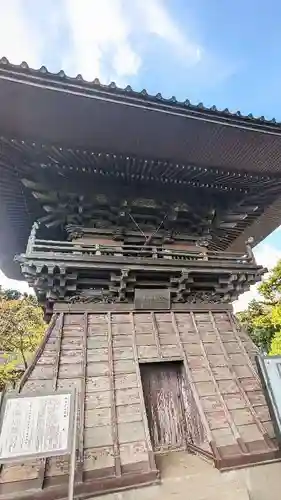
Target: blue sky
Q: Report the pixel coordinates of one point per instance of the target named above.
(218, 52)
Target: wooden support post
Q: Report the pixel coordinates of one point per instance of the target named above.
(114, 425)
(80, 430)
(149, 449)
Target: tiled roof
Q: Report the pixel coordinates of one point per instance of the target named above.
(143, 94)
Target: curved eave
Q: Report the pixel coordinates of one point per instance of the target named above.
(24, 72)
(37, 105)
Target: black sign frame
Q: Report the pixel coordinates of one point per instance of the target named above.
(269, 369)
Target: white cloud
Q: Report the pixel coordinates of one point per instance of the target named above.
(266, 256)
(99, 31)
(159, 21)
(18, 41)
(107, 31)
(6, 283)
(107, 39)
(125, 61)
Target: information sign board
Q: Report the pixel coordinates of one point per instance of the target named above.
(270, 372)
(36, 425)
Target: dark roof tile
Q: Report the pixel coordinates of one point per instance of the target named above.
(143, 93)
(24, 65)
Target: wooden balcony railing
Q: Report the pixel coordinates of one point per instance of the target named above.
(63, 248)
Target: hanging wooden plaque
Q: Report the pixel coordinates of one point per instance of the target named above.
(146, 299)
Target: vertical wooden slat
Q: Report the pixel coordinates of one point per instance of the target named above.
(241, 345)
(149, 449)
(42, 468)
(80, 458)
(57, 360)
(192, 383)
(237, 380)
(114, 426)
(156, 335)
(231, 423)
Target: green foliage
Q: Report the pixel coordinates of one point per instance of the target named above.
(21, 329)
(270, 289)
(275, 348)
(10, 372)
(262, 319)
(10, 294)
(258, 323)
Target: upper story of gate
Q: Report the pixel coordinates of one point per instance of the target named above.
(126, 188)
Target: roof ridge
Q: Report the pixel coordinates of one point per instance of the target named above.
(142, 94)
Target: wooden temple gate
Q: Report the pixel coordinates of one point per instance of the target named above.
(139, 237)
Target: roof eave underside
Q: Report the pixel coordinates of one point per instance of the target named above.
(40, 106)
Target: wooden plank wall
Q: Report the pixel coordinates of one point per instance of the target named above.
(99, 354)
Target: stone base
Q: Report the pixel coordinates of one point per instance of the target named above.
(185, 476)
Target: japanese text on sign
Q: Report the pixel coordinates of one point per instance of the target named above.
(35, 425)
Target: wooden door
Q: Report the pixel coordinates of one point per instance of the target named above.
(163, 399)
